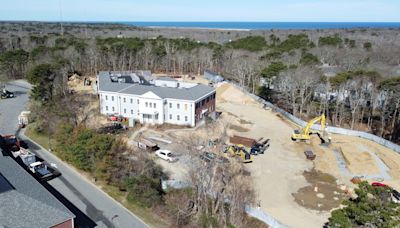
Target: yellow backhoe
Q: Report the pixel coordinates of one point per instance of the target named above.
(240, 151)
(305, 133)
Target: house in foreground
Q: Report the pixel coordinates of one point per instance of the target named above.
(161, 100)
(24, 202)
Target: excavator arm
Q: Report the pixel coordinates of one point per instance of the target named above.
(306, 130)
(305, 133)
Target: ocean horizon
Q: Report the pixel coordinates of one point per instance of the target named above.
(263, 25)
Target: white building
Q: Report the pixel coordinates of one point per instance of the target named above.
(162, 100)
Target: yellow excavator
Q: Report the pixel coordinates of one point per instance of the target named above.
(305, 133)
(240, 151)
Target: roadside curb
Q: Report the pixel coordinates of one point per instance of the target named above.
(73, 169)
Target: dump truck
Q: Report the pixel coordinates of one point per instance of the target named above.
(35, 164)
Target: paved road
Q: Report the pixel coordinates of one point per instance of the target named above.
(91, 205)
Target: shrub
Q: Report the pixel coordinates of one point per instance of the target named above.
(367, 45)
(330, 40)
(272, 55)
(293, 42)
(144, 190)
(309, 59)
(273, 69)
(373, 207)
(250, 43)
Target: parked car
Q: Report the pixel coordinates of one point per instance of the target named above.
(166, 155)
(6, 94)
(378, 184)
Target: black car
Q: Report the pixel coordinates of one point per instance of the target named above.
(6, 94)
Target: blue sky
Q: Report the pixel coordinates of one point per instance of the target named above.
(203, 10)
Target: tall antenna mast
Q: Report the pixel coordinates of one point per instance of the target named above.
(61, 19)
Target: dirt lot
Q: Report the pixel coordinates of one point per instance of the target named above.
(294, 190)
(284, 189)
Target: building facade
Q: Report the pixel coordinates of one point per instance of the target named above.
(163, 100)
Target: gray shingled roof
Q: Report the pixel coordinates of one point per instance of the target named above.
(192, 94)
(166, 78)
(29, 204)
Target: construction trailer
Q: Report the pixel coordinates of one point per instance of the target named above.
(146, 144)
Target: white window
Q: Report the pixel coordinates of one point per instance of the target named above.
(106, 108)
(170, 116)
(186, 119)
(106, 97)
(113, 109)
(154, 105)
(124, 100)
(151, 105)
(170, 105)
(124, 110)
(138, 101)
(132, 111)
(112, 98)
(186, 106)
(131, 101)
(177, 117)
(177, 106)
(146, 104)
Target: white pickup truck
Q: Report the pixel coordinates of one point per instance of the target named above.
(166, 155)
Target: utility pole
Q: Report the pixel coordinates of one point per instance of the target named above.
(61, 20)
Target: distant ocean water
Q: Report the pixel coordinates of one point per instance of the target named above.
(267, 25)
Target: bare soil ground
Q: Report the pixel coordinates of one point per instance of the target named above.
(75, 82)
(294, 190)
(89, 111)
(285, 191)
(323, 194)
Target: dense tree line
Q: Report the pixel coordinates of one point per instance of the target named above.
(288, 70)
